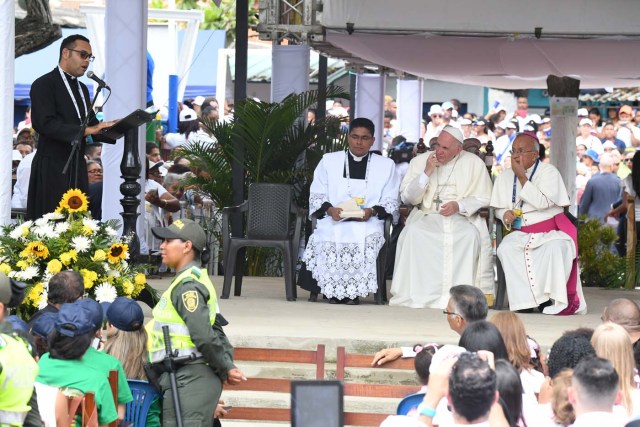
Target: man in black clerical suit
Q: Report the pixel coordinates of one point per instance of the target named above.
(59, 105)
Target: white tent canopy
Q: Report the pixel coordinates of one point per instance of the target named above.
(493, 43)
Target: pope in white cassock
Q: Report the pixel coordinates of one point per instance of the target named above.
(539, 255)
(341, 253)
(445, 242)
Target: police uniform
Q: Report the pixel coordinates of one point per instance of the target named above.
(205, 355)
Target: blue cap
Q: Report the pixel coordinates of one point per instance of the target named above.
(125, 314)
(74, 321)
(95, 311)
(44, 324)
(18, 324)
(593, 155)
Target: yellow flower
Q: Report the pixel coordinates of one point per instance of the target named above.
(37, 249)
(99, 255)
(25, 231)
(5, 268)
(68, 257)
(89, 277)
(117, 252)
(74, 200)
(140, 279)
(127, 287)
(22, 264)
(35, 293)
(54, 266)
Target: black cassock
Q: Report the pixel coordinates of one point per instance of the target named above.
(55, 118)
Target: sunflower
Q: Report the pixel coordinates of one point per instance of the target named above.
(117, 252)
(74, 200)
(36, 249)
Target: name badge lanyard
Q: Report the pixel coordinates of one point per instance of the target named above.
(366, 174)
(515, 178)
(73, 98)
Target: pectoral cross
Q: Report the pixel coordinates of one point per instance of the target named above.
(438, 201)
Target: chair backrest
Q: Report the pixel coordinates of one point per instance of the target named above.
(143, 396)
(71, 403)
(269, 211)
(409, 403)
(113, 383)
(276, 385)
(370, 389)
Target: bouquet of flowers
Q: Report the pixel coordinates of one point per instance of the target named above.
(69, 239)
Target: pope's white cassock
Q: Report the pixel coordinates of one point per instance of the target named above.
(342, 255)
(435, 252)
(537, 265)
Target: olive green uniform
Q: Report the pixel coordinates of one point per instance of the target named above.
(199, 381)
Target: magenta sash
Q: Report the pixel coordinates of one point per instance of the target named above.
(560, 222)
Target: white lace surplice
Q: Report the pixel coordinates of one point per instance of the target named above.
(341, 256)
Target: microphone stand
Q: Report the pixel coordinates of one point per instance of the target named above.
(77, 141)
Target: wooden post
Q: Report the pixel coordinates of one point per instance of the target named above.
(130, 168)
(631, 243)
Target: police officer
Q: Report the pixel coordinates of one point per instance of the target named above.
(188, 307)
(18, 369)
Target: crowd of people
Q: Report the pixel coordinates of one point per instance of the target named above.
(498, 375)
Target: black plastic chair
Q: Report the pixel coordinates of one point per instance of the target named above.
(381, 261)
(270, 210)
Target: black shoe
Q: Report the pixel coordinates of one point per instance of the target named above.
(525, 310)
(544, 304)
(334, 300)
(354, 301)
(313, 297)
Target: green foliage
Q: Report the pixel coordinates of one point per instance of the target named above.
(599, 266)
(215, 18)
(274, 144)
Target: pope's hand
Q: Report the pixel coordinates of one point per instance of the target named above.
(449, 208)
(432, 164)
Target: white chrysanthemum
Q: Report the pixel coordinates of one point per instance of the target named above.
(41, 221)
(81, 243)
(44, 298)
(46, 230)
(114, 273)
(20, 230)
(61, 227)
(28, 273)
(111, 232)
(53, 216)
(124, 264)
(90, 224)
(105, 292)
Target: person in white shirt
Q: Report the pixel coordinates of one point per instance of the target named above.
(593, 393)
(188, 132)
(587, 138)
(435, 125)
(21, 188)
(627, 132)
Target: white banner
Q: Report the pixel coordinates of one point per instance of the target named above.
(126, 73)
(369, 102)
(564, 118)
(7, 55)
(290, 71)
(409, 108)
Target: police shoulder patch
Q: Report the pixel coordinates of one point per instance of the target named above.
(190, 300)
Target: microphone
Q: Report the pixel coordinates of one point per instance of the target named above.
(98, 80)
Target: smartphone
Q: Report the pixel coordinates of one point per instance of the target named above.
(227, 408)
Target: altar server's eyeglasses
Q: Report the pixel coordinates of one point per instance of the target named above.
(84, 54)
(363, 138)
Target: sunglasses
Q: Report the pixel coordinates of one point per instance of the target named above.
(436, 115)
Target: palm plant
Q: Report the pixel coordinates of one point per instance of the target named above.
(272, 141)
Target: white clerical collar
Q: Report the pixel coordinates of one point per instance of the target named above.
(356, 158)
(67, 74)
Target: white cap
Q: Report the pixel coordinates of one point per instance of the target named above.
(464, 122)
(447, 105)
(338, 112)
(199, 100)
(546, 120)
(454, 114)
(187, 115)
(609, 144)
(535, 118)
(155, 164)
(507, 124)
(583, 112)
(586, 122)
(435, 109)
(454, 132)
(16, 156)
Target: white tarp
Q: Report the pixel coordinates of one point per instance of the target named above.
(369, 102)
(493, 44)
(290, 70)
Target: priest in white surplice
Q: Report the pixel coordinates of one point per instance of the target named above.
(444, 243)
(341, 254)
(539, 256)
